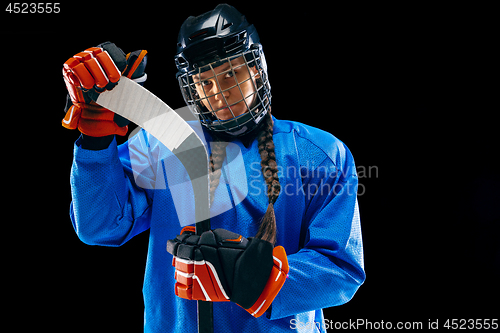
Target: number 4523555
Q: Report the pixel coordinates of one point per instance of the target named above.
(31, 8)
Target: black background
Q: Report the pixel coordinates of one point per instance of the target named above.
(411, 90)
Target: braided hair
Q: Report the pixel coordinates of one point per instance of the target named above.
(216, 158)
(267, 230)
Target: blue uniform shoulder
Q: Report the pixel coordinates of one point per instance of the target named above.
(313, 142)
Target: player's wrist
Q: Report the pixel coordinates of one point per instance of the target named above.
(96, 143)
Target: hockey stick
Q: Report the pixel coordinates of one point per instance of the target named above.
(135, 103)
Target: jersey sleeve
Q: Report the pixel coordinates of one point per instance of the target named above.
(108, 208)
(328, 269)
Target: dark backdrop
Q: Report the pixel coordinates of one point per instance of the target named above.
(409, 89)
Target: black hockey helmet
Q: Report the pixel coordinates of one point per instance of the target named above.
(211, 40)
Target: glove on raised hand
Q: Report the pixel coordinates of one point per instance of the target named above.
(93, 71)
(220, 265)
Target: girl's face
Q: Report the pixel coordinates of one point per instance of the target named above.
(229, 89)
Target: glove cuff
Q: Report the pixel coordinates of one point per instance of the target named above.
(274, 284)
(136, 64)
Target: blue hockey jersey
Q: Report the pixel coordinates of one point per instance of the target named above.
(121, 191)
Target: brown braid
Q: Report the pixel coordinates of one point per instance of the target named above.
(267, 229)
(268, 160)
(216, 158)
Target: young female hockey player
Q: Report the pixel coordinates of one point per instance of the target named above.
(296, 189)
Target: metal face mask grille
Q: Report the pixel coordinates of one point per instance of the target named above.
(231, 95)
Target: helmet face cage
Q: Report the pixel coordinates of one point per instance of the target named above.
(257, 102)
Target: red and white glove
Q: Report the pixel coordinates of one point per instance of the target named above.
(90, 72)
(220, 265)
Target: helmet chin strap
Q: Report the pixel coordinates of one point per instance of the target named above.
(246, 137)
(238, 132)
(241, 130)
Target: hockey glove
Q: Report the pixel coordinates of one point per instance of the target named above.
(93, 71)
(220, 266)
